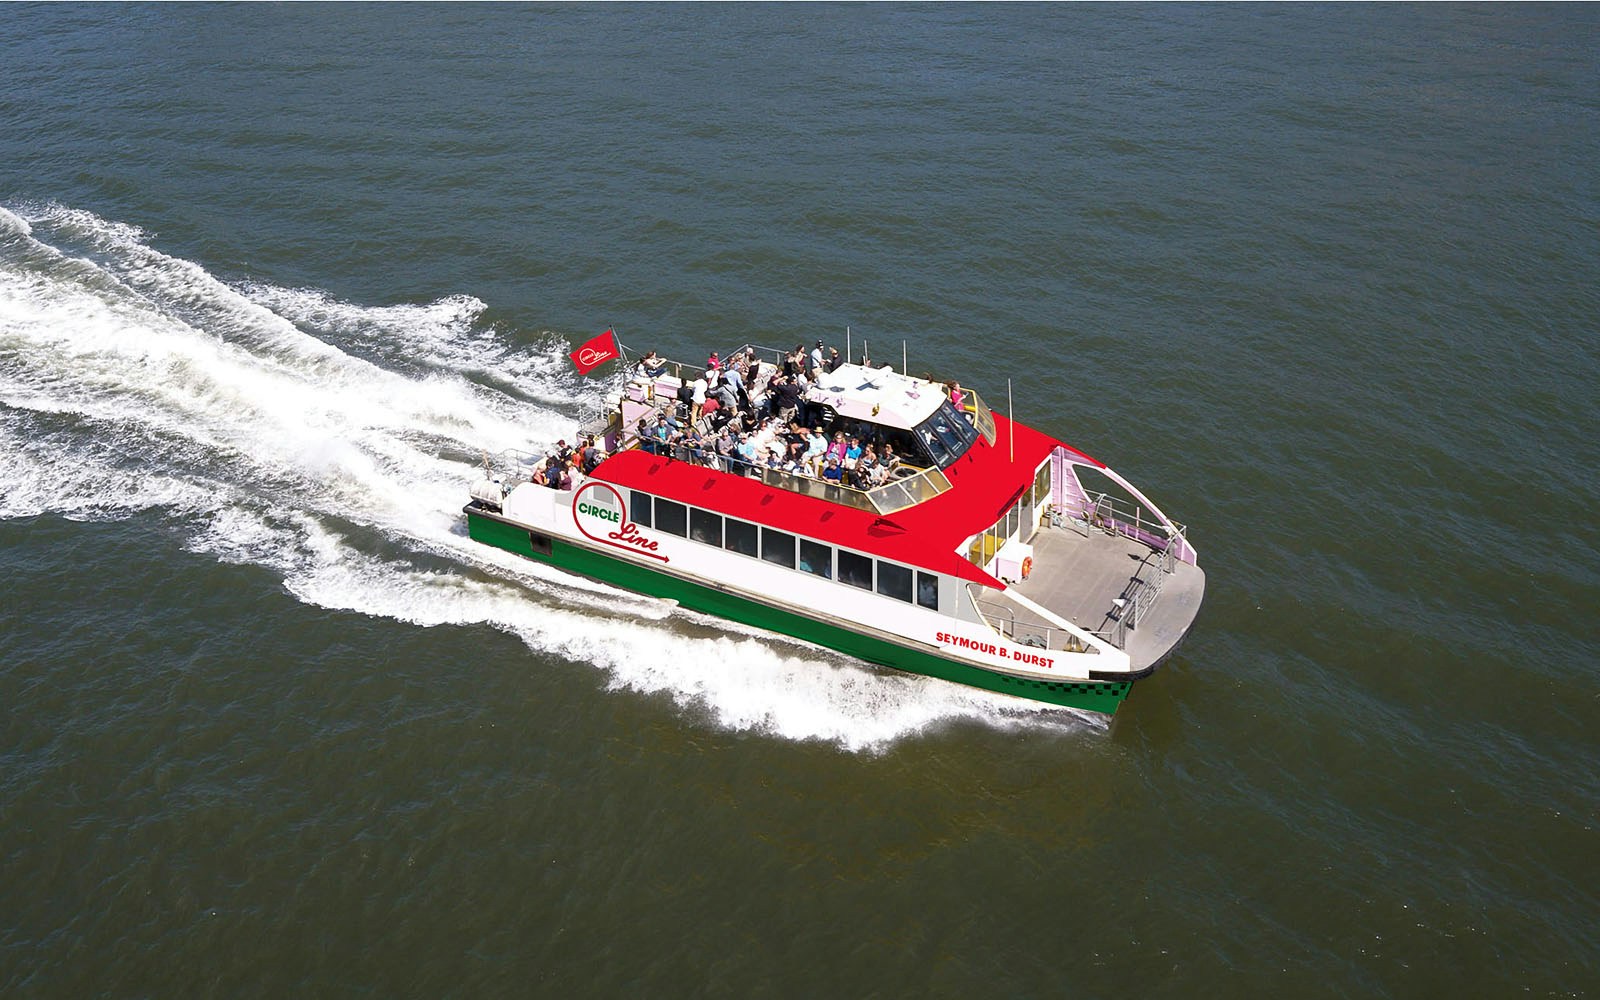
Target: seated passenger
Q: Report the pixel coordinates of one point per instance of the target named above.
(650, 366)
(833, 472)
(816, 448)
(839, 447)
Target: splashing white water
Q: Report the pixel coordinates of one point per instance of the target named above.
(132, 381)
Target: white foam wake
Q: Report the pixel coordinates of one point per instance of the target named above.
(287, 429)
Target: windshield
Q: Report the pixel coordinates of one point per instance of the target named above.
(946, 435)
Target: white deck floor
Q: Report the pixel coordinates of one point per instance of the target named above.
(1079, 577)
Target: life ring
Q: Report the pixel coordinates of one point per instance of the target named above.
(1027, 567)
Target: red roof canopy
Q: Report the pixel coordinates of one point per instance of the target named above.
(985, 482)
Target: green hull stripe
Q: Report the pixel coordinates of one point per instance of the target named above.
(1091, 695)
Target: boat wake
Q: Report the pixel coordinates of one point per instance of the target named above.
(332, 443)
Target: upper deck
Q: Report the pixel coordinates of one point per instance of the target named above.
(877, 406)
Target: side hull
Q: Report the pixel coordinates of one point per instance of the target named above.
(1102, 696)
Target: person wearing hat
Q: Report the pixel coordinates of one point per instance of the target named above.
(818, 358)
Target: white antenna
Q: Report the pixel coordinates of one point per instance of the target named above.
(1011, 415)
(905, 369)
(847, 345)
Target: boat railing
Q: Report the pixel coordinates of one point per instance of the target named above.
(1115, 517)
(898, 494)
(1116, 633)
(1130, 607)
(513, 464)
(886, 499)
(1030, 632)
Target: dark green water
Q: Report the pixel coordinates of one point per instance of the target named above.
(1323, 281)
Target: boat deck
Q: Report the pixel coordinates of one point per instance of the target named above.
(1080, 577)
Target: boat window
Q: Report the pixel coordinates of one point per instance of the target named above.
(816, 558)
(856, 570)
(777, 547)
(934, 447)
(672, 517)
(956, 433)
(945, 436)
(740, 536)
(639, 507)
(928, 590)
(894, 581)
(1041, 485)
(706, 527)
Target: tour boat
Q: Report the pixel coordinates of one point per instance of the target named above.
(993, 555)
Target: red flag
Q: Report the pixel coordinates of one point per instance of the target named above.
(596, 352)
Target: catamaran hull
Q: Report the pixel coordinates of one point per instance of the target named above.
(491, 529)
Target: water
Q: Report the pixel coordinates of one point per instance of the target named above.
(1322, 281)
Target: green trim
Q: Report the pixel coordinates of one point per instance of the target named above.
(1095, 696)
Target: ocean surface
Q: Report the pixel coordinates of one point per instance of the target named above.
(1323, 281)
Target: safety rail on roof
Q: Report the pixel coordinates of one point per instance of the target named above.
(898, 494)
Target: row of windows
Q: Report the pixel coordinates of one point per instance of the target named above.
(984, 546)
(786, 550)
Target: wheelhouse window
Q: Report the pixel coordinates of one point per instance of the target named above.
(672, 517)
(777, 547)
(946, 435)
(740, 536)
(894, 581)
(928, 590)
(855, 570)
(706, 527)
(639, 507)
(816, 558)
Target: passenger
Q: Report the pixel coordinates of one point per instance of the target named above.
(724, 446)
(839, 447)
(733, 380)
(787, 398)
(864, 466)
(592, 456)
(816, 449)
(852, 453)
(834, 360)
(833, 472)
(555, 473)
(712, 364)
(958, 399)
(650, 366)
(747, 450)
(694, 446)
(697, 399)
(819, 356)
